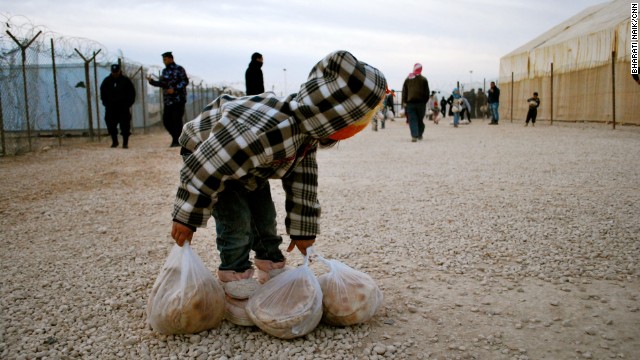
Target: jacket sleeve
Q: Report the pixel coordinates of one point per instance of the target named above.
(181, 79)
(131, 93)
(228, 153)
(302, 206)
(426, 88)
(103, 92)
(405, 90)
(157, 83)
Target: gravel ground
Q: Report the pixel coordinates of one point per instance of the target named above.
(488, 242)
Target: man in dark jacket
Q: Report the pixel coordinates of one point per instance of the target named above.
(443, 107)
(494, 102)
(415, 94)
(118, 95)
(253, 75)
(174, 83)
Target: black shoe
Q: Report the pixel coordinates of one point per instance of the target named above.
(174, 144)
(114, 145)
(125, 146)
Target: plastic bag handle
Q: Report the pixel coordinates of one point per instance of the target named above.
(320, 257)
(186, 260)
(310, 251)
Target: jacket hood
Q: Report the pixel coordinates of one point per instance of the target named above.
(255, 64)
(339, 91)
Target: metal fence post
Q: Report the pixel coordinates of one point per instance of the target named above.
(193, 98)
(55, 92)
(24, 80)
(88, 87)
(95, 78)
(4, 150)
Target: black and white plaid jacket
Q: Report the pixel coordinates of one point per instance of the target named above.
(255, 138)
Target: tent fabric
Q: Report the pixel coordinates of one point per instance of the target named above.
(581, 51)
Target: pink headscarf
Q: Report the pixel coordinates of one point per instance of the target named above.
(417, 70)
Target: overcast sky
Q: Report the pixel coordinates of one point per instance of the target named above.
(454, 40)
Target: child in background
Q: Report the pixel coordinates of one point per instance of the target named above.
(534, 102)
(435, 109)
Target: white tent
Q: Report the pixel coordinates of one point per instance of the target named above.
(580, 68)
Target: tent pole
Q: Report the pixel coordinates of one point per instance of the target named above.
(551, 102)
(512, 96)
(613, 87)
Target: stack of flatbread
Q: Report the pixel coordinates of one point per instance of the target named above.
(289, 305)
(236, 301)
(185, 303)
(349, 296)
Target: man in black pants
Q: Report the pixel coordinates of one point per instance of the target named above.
(117, 95)
(174, 83)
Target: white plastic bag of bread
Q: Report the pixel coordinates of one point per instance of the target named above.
(289, 305)
(186, 298)
(349, 296)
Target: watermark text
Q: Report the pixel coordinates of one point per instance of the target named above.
(634, 38)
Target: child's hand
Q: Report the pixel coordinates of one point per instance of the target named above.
(302, 245)
(181, 233)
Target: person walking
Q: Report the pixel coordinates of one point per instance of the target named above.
(432, 104)
(455, 106)
(117, 94)
(388, 104)
(494, 101)
(237, 144)
(173, 82)
(434, 108)
(415, 94)
(534, 103)
(253, 78)
(443, 107)
(465, 108)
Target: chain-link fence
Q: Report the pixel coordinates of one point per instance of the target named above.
(49, 91)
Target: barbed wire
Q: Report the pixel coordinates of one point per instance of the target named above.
(24, 30)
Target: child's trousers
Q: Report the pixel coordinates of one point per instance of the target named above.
(245, 221)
